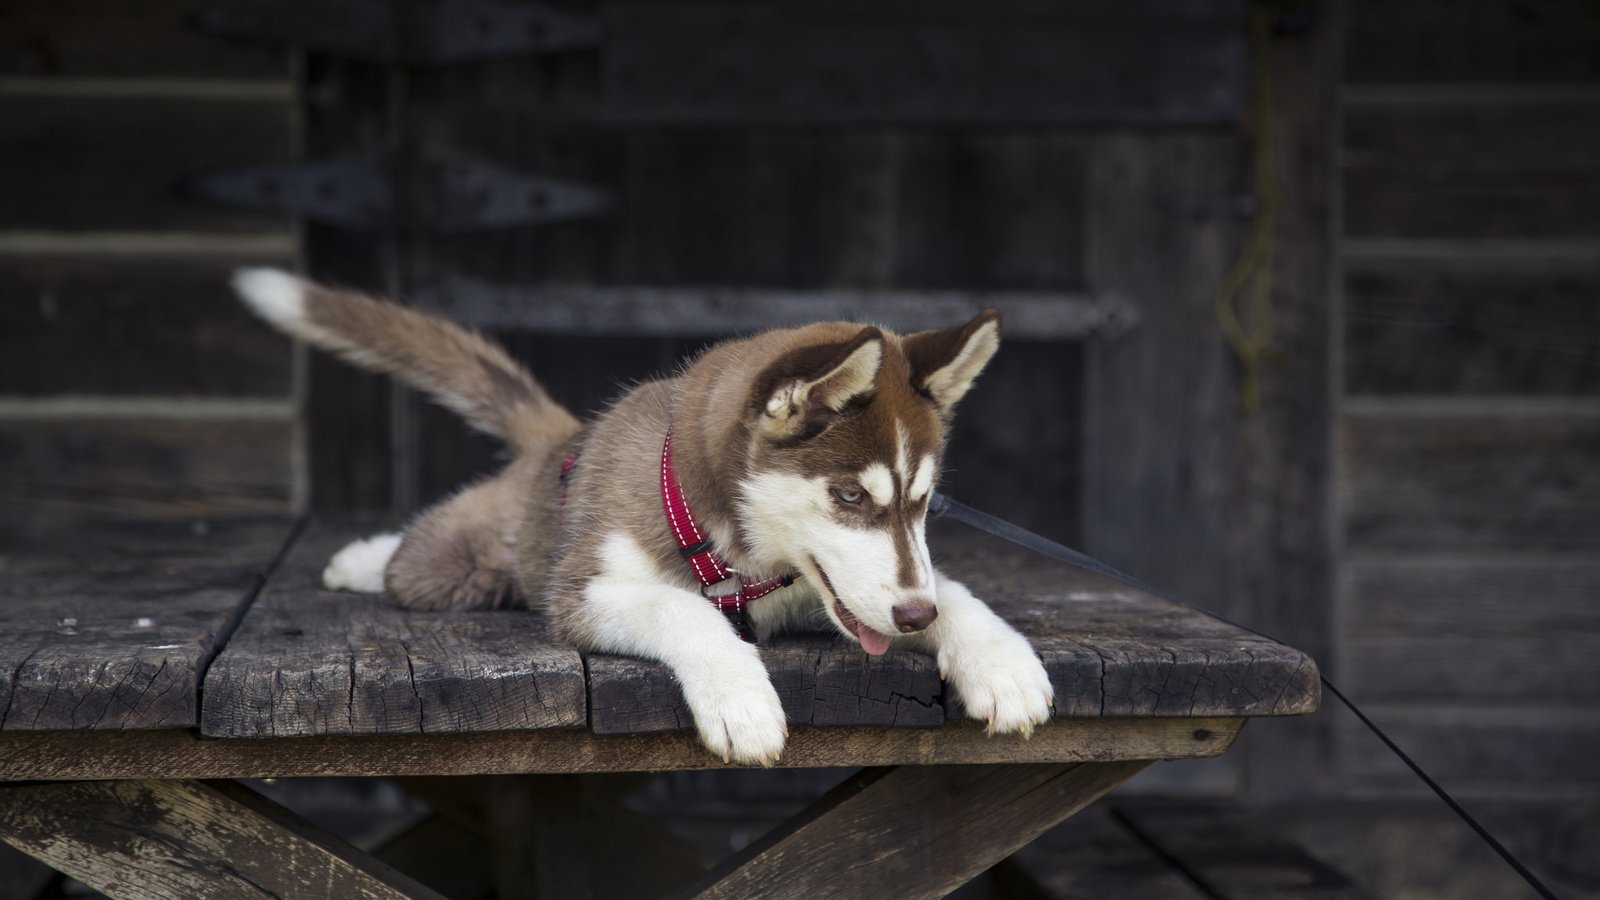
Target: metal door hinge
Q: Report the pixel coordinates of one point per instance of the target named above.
(431, 193)
(406, 31)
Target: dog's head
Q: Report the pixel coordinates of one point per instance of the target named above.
(846, 437)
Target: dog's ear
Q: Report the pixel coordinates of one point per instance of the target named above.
(944, 364)
(807, 388)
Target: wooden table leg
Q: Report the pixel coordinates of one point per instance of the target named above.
(164, 839)
(911, 831)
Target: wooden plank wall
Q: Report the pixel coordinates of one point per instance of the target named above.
(131, 384)
(1470, 433)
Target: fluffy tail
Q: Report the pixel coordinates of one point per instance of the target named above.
(459, 368)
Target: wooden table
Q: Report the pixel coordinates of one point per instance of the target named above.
(141, 664)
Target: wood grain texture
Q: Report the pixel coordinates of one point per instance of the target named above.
(1160, 405)
(1282, 532)
(1496, 630)
(1230, 856)
(116, 635)
(1506, 479)
(61, 142)
(153, 38)
(911, 831)
(69, 756)
(306, 661)
(349, 427)
(1476, 171)
(107, 327)
(1415, 327)
(1112, 651)
(162, 839)
(1528, 752)
(822, 680)
(716, 63)
(1442, 41)
(56, 473)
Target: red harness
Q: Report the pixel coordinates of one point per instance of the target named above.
(709, 567)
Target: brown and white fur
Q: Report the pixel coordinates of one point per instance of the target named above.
(811, 449)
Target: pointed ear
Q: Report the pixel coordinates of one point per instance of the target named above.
(808, 388)
(944, 364)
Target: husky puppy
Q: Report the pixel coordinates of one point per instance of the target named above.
(775, 476)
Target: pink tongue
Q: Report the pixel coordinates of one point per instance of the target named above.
(874, 643)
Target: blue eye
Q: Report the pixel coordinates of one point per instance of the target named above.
(847, 497)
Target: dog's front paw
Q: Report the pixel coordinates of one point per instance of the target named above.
(1000, 682)
(740, 719)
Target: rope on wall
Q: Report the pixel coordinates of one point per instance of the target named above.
(1254, 263)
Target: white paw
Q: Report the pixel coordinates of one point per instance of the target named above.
(739, 717)
(1000, 681)
(360, 565)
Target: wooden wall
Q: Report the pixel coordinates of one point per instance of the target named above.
(1417, 503)
(1470, 427)
(131, 384)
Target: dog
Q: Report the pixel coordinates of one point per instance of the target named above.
(773, 477)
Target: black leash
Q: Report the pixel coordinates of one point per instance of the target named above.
(940, 505)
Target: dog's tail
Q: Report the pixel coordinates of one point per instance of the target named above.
(461, 369)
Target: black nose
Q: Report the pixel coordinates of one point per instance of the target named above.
(914, 616)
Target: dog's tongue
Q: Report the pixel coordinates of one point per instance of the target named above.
(874, 643)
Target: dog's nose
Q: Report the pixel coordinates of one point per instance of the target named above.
(914, 616)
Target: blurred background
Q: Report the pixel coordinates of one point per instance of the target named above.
(1303, 314)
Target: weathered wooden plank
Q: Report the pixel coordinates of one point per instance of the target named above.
(1497, 630)
(822, 680)
(104, 327)
(718, 63)
(989, 210)
(116, 635)
(1513, 170)
(153, 38)
(1444, 41)
(1112, 651)
(306, 661)
(123, 548)
(61, 470)
(1160, 408)
(1027, 408)
(350, 430)
(1511, 475)
(1471, 328)
(1231, 857)
(67, 756)
(1526, 751)
(1092, 855)
(61, 144)
(1281, 531)
(161, 839)
(719, 311)
(947, 825)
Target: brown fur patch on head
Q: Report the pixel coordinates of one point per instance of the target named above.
(945, 363)
(869, 429)
(806, 389)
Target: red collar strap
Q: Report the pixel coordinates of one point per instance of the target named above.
(709, 567)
